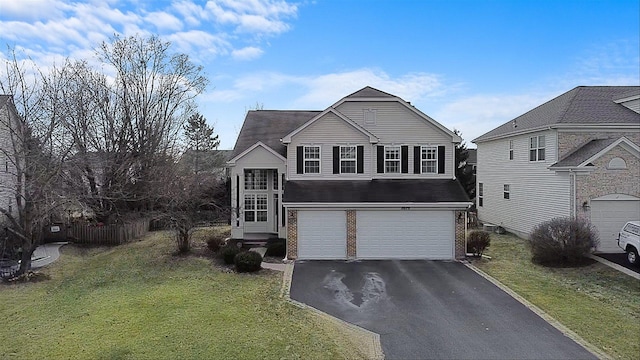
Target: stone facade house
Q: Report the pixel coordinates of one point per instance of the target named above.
(577, 155)
(369, 177)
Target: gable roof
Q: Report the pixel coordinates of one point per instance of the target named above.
(473, 156)
(372, 138)
(592, 150)
(369, 92)
(583, 105)
(269, 126)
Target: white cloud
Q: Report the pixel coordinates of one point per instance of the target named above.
(247, 53)
(164, 21)
(259, 17)
(30, 10)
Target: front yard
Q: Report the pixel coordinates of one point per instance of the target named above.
(137, 301)
(598, 303)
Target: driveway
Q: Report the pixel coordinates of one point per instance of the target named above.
(620, 259)
(430, 309)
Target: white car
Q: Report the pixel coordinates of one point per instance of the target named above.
(629, 241)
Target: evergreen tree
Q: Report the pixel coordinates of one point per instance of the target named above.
(200, 141)
(464, 173)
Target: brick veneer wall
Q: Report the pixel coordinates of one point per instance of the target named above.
(351, 234)
(461, 221)
(292, 234)
(568, 142)
(603, 181)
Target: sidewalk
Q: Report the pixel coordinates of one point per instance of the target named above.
(265, 265)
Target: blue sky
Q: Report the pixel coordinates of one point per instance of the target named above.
(471, 65)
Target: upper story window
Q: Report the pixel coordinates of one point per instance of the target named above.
(536, 148)
(510, 149)
(348, 159)
(617, 164)
(369, 117)
(255, 179)
(507, 191)
(312, 159)
(429, 159)
(392, 159)
(480, 194)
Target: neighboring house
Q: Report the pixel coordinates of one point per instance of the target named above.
(576, 155)
(472, 161)
(8, 118)
(369, 177)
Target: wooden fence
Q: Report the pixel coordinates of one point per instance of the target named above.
(107, 234)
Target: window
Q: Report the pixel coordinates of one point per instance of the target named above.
(506, 193)
(536, 148)
(312, 159)
(392, 159)
(275, 180)
(429, 159)
(369, 117)
(480, 194)
(348, 159)
(617, 164)
(510, 149)
(255, 207)
(255, 179)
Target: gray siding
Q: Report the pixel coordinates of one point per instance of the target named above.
(537, 194)
(633, 105)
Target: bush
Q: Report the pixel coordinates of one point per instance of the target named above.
(215, 242)
(229, 252)
(478, 241)
(562, 241)
(276, 247)
(248, 261)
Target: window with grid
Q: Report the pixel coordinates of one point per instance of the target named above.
(312, 159)
(429, 159)
(255, 207)
(392, 159)
(536, 148)
(510, 149)
(255, 179)
(348, 159)
(507, 191)
(480, 194)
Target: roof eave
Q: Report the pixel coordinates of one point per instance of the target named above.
(403, 205)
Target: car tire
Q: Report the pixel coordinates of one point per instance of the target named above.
(632, 256)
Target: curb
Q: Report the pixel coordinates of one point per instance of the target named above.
(613, 265)
(546, 317)
(374, 346)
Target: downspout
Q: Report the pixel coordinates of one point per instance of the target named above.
(572, 179)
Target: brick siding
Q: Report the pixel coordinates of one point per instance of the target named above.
(292, 234)
(351, 234)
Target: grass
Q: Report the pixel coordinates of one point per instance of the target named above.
(600, 304)
(138, 301)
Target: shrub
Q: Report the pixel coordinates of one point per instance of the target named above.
(248, 261)
(562, 241)
(276, 247)
(215, 242)
(229, 252)
(478, 241)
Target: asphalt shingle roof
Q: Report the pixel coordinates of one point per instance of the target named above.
(584, 152)
(588, 105)
(369, 92)
(269, 126)
(374, 191)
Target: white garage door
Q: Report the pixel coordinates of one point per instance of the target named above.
(405, 234)
(608, 214)
(322, 234)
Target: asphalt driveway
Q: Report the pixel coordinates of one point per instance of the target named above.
(430, 310)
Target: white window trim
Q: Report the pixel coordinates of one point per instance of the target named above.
(424, 161)
(399, 159)
(506, 191)
(254, 182)
(511, 149)
(354, 160)
(319, 159)
(537, 148)
(255, 210)
(480, 194)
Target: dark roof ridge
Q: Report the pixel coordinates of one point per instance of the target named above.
(564, 111)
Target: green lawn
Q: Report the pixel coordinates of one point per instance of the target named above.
(598, 303)
(138, 301)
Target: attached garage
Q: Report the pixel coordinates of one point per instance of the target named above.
(322, 234)
(398, 234)
(608, 214)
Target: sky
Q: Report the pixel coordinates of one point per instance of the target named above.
(470, 65)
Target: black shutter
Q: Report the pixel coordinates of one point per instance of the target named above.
(237, 200)
(336, 159)
(417, 153)
(441, 161)
(404, 162)
(300, 160)
(380, 159)
(360, 159)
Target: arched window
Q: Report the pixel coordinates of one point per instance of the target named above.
(617, 163)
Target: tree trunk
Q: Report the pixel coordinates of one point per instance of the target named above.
(25, 260)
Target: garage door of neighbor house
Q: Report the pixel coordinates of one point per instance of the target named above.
(322, 234)
(609, 213)
(405, 234)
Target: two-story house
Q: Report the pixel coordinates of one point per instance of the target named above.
(576, 155)
(370, 177)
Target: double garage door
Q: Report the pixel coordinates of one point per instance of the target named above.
(380, 234)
